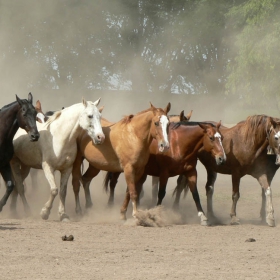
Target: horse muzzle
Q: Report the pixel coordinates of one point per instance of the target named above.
(162, 147)
(34, 136)
(220, 160)
(99, 139)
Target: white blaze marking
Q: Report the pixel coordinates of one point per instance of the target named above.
(164, 122)
(218, 135)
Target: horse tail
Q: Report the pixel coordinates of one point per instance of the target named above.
(106, 181)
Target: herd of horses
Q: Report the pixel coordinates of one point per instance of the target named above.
(150, 142)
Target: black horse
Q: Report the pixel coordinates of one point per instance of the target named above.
(20, 113)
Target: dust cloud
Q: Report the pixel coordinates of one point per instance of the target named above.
(20, 78)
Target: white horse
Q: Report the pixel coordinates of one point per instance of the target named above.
(55, 150)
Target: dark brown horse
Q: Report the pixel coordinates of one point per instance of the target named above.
(20, 113)
(125, 149)
(186, 139)
(246, 148)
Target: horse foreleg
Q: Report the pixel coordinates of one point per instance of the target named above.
(113, 182)
(270, 220)
(235, 196)
(6, 173)
(209, 187)
(192, 183)
(155, 183)
(65, 174)
(49, 173)
(76, 177)
(86, 180)
(262, 212)
(182, 184)
(129, 174)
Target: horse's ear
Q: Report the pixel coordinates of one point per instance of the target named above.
(84, 102)
(38, 106)
(168, 107)
(97, 102)
(30, 98)
(189, 115)
(203, 126)
(182, 116)
(273, 122)
(101, 109)
(152, 106)
(19, 101)
(219, 124)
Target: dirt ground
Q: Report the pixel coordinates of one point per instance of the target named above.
(106, 248)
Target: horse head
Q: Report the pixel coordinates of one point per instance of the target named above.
(26, 117)
(159, 128)
(274, 138)
(90, 120)
(213, 141)
(41, 117)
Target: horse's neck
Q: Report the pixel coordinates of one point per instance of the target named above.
(9, 121)
(142, 126)
(66, 127)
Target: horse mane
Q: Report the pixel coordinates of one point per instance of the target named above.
(256, 127)
(127, 119)
(14, 102)
(52, 118)
(189, 123)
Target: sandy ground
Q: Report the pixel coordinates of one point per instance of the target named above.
(106, 248)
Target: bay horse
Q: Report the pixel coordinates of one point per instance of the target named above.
(126, 149)
(246, 147)
(172, 118)
(18, 114)
(55, 150)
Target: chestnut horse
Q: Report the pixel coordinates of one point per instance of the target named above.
(126, 149)
(246, 146)
(186, 139)
(172, 118)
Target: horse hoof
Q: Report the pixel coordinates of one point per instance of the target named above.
(123, 217)
(44, 215)
(64, 218)
(204, 223)
(270, 222)
(67, 238)
(235, 221)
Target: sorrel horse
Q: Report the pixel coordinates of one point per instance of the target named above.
(19, 114)
(56, 150)
(172, 118)
(126, 149)
(186, 139)
(246, 146)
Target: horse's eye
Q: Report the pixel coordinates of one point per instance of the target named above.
(157, 123)
(90, 116)
(211, 138)
(276, 137)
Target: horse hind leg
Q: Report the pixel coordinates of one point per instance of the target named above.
(114, 176)
(182, 184)
(155, 183)
(6, 173)
(86, 180)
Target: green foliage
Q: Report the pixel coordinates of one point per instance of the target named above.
(253, 71)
